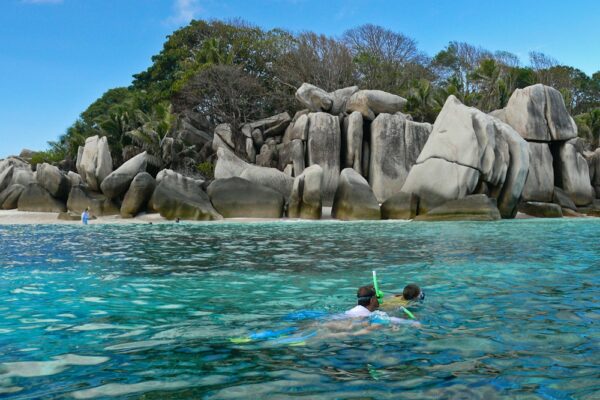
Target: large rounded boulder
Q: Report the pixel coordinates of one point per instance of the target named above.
(118, 181)
(94, 162)
(6, 177)
(9, 197)
(540, 209)
(371, 103)
(400, 206)
(239, 198)
(467, 150)
(352, 141)
(538, 113)
(593, 160)
(53, 180)
(178, 196)
(306, 199)
(138, 194)
(229, 165)
(35, 198)
(81, 197)
(354, 199)
(314, 98)
(477, 207)
(324, 148)
(396, 143)
(575, 174)
(539, 185)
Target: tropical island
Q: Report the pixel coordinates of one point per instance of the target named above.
(339, 151)
(234, 121)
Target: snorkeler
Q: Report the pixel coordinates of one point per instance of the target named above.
(366, 302)
(411, 293)
(359, 320)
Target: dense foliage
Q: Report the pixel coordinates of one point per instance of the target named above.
(234, 72)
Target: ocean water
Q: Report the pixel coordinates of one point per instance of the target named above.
(512, 309)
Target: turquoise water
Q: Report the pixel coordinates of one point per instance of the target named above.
(140, 311)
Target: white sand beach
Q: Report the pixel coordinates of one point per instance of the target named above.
(15, 217)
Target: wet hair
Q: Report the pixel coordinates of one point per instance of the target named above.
(364, 295)
(411, 292)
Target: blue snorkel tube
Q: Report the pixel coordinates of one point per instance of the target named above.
(379, 295)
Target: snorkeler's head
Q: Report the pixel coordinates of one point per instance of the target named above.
(412, 292)
(367, 297)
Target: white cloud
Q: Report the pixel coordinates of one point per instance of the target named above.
(42, 1)
(184, 11)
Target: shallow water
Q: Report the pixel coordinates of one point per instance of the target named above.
(149, 311)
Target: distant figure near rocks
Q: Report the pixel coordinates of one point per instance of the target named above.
(85, 216)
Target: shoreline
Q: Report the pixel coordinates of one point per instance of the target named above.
(15, 217)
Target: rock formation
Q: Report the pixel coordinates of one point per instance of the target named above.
(82, 197)
(35, 198)
(118, 181)
(539, 115)
(469, 150)
(539, 185)
(574, 174)
(94, 162)
(354, 199)
(238, 198)
(323, 148)
(352, 141)
(593, 160)
(306, 198)
(53, 180)
(400, 206)
(177, 196)
(478, 207)
(229, 165)
(541, 210)
(140, 190)
(9, 197)
(468, 165)
(395, 145)
(370, 103)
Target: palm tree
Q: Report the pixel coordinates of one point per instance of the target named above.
(492, 89)
(150, 131)
(588, 125)
(421, 101)
(593, 122)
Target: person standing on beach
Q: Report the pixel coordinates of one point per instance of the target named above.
(85, 216)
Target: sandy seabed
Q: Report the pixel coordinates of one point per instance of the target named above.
(15, 217)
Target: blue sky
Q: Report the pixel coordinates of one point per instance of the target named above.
(58, 56)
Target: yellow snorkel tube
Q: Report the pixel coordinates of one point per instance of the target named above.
(379, 295)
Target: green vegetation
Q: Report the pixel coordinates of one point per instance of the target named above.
(207, 169)
(234, 72)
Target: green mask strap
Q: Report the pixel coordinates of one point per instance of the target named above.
(378, 292)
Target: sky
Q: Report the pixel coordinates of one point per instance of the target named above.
(58, 56)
